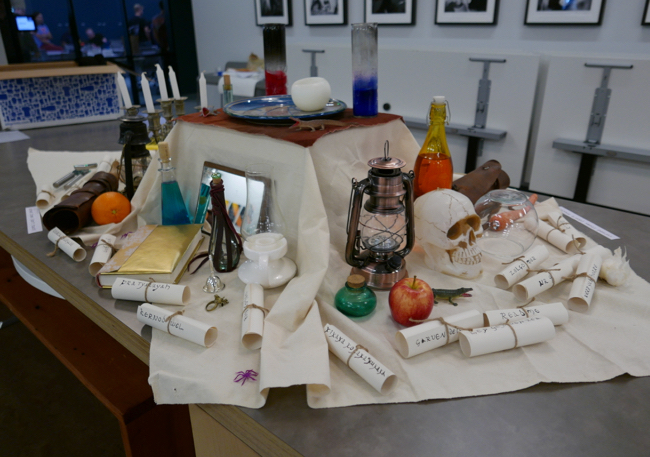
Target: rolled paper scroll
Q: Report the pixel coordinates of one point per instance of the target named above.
(559, 239)
(518, 268)
(434, 334)
(359, 360)
(548, 278)
(45, 196)
(252, 321)
(557, 220)
(582, 290)
(150, 291)
(497, 338)
(103, 252)
(66, 244)
(175, 324)
(556, 312)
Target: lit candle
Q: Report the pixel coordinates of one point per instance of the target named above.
(124, 91)
(174, 83)
(161, 82)
(146, 90)
(203, 91)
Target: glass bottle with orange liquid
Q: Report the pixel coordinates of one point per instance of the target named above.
(433, 167)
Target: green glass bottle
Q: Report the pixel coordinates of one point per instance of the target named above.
(355, 299)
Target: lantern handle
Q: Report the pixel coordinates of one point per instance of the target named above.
(407, 180)
(354, 211)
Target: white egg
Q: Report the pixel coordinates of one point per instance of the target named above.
(311, 94)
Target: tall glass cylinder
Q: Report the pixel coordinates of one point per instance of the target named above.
(364, 69)
(275, 59)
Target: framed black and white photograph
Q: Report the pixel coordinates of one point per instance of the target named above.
(325, 12)
(390, 12)
(646, 14)
(273, 12)
(458, 12)
(564, 12)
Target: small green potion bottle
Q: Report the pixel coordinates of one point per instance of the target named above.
(355, 299)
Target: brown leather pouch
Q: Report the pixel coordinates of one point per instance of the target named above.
(479, 182)
(73, 213)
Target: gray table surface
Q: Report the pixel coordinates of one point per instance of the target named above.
(597, 419)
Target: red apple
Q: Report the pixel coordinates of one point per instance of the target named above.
(410, 298)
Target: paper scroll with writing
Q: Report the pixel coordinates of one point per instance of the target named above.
(252, 321)
(434, 334)
(498, 338)
(556, 312)
(150, 292)
(584, 285)
(519, 268)
(359, 360)
(557, 220)
(178, 325)
(66, 244)
(543, 281)
(559, 239)
(103, 252)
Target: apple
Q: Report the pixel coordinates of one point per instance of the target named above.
(410, 298)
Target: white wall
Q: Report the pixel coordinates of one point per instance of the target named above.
(225, 30)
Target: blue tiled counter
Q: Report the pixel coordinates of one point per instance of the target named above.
(42, 95)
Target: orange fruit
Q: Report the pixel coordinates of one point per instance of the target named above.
(110, 207)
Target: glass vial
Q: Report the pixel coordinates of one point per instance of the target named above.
(275, 59)
(225, 243)
(433, 167)
(355, 299)
(174, 211)
(364, 69)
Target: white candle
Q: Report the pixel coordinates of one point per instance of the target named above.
(160, 74)
(203, 91)
(174, 83)
(124, 91)
(146, 90)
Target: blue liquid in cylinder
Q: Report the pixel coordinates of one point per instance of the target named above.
(174, 211)
(364, 98)
(202, 205)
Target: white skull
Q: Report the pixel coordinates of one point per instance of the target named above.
(447, 226)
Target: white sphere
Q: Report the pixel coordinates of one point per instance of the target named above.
(311, 94)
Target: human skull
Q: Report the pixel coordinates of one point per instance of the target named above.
(446, 226)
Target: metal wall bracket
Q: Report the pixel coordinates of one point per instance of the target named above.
(313, 70)
(591, 147)
(478, 133)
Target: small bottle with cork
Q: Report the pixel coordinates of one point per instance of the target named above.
(355, 299)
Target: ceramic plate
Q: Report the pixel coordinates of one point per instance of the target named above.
(278, 108)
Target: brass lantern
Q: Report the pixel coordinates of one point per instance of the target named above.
(381, 231)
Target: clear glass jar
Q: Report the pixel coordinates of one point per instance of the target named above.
(355, 299)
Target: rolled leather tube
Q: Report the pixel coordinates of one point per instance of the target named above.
(479, 182)
(73, 213)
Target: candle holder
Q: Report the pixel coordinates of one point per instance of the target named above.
(179, 106)
(168, 114)
(132, 111)
(154, 126)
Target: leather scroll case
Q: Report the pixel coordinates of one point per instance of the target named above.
(73, 213)
(479, 182)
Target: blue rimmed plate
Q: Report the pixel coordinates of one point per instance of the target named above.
(278, 109)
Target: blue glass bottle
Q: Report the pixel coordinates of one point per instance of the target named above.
(174, 211)
(355, 299)
(202, 204)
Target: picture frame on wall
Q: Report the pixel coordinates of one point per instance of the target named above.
(461, 12)
(273, 12)
(390, 12)
(646, 14)
(564, 12)
(326, 12)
